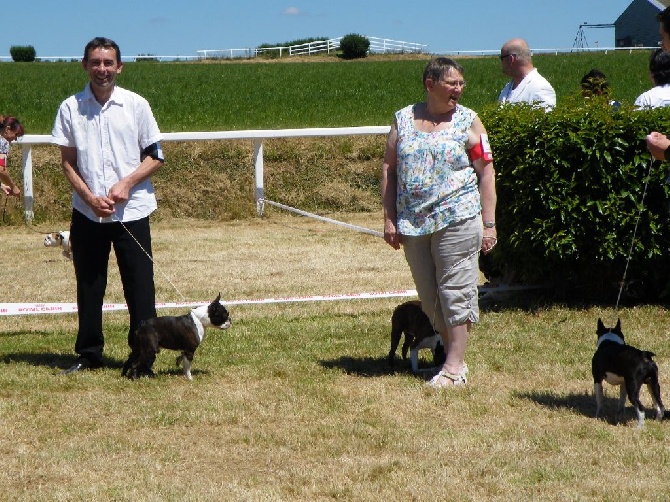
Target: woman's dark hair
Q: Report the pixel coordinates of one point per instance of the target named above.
(595, 83)
(13, 124)
(438, 67)
(659, 66)
(102, 42)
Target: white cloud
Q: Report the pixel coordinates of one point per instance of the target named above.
(292, 11)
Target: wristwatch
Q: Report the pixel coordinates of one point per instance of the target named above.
(489, 224)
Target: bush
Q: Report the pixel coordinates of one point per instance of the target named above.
(570, 187)
(354, 46)
(22, 53)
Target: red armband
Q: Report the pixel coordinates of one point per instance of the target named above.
(482, 150)
(2, 163)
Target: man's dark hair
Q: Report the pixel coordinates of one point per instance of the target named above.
(664, 18)
(437, 67)
(102, 42)
(659, 66)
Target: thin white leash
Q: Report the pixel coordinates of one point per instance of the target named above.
(632, 242)
(152, 260)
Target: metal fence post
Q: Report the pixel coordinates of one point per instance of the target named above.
(258, 173)
(28, 199)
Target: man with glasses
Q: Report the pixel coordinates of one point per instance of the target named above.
(527, 85)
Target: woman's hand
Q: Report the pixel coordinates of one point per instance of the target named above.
(391, 235)
(489, 240)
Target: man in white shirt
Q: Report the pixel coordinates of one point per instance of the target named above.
(110, 146)
(527, 85)
(659, 71)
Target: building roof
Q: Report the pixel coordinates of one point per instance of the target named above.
(660, 4)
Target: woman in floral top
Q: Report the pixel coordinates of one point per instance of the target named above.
(10, 129)
(439, 198)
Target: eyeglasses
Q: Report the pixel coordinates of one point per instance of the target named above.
(506, 56)
(454, 83)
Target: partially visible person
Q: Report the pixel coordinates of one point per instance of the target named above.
(439, 199)
(110, 146)
(595, 83)
(10, 130)
(527, 85)
(659, 72)
(658, 144)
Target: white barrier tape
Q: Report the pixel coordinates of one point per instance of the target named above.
(65, 308)
(322, 218)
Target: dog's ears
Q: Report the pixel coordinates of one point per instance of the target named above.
(218, 298)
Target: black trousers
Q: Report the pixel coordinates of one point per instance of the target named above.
(91, 246)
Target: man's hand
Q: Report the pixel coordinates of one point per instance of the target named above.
(103, 207)
(657, 144)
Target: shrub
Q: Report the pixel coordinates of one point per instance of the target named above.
(22, 53)
(354, 46)
(570, 187)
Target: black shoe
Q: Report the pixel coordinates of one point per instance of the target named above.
(82, 364)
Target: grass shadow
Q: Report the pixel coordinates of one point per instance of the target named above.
(372, 366)
(53, 360)
(585, 404)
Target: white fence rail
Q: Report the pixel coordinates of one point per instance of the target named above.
(377, 45)
(257, 136)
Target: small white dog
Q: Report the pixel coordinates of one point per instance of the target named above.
(60, 239)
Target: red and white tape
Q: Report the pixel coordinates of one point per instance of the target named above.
(65, 308)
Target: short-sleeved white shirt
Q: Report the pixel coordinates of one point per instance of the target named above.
(109, 139)
(656, 97)
(534, 88)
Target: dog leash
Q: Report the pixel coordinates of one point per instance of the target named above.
(632, 242)
(152, 260)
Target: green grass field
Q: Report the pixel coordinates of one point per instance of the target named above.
(271, 95)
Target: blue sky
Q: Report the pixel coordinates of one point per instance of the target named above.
(182, 27)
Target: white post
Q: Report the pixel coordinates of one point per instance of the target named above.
(28, 200)
(258, 170)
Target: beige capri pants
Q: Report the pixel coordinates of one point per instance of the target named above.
(446, 262)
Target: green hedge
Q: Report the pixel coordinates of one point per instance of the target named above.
(22, 53)
(570, 187)
(354, 46)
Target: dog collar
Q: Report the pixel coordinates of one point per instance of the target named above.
(610, 337)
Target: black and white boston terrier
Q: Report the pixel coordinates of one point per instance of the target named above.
(620, 364)
(409, 318)
(183, 333)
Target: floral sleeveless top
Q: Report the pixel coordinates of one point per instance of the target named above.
(437, 185)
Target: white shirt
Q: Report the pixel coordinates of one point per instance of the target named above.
(534, 88)
(109, 139)
(656, 97)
